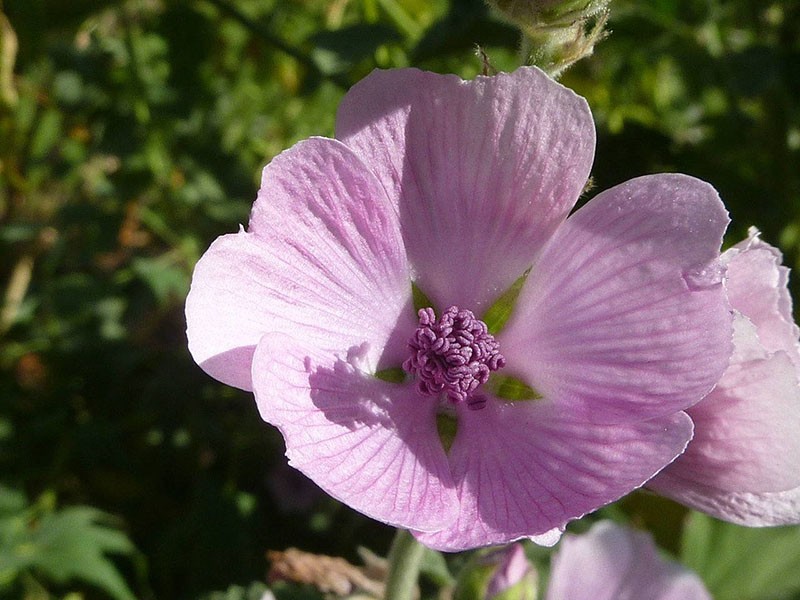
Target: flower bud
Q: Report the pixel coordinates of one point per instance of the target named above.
(549, 12)
(558, 33)
(504, 574)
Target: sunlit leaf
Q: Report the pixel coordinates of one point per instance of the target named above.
(73, 543)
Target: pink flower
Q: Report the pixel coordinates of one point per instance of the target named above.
(611, 562)
(743, 464)
(432, 420)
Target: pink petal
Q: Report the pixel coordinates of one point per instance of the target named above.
(624, 316)
(757, 287)
(766, 509)
(323, 260)
(746, 430)
(482, 171)
(371, 444)
(611, 562)
(525, 470)
(742, 465)
(746, 450)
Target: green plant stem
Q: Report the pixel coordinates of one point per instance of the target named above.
(404, 560)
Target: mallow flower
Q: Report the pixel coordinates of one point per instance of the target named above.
(612, 562)
(441, 346)
(743, 464)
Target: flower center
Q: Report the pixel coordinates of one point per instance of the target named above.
(454, 355)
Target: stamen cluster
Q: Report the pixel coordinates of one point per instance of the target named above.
(454, 355)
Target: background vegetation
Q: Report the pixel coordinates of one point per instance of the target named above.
(132, 133)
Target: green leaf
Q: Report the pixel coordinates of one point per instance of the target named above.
(254, 591)
(498, 313)
(72, 544)
(741, 563)
(65, 545)
(434, 567)
(11, 501)
(165, 278)
(19, 232)
(47, 134)
(398, 13)
(283, 590)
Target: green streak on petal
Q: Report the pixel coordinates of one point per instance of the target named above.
(511, 388)
(498, 313)
(393, 375)
(421, 300)
(447, 426)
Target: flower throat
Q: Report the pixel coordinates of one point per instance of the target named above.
(454, 355)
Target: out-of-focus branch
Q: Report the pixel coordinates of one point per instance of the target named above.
(16, 290)
(8, 55)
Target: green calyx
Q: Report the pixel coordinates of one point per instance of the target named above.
(511, 388)
(552, 13)
(500, 311)
(420, 299)
(446, 427)
(393, 375)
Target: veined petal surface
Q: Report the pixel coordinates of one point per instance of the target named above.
(370, 444)
(746, 433)
(482, 171)
(624, 316)
(322, 259)
(766, 509)
(757, 285)
(743, 465)
(612, 562)
(526, 470)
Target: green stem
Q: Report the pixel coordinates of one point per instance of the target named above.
(404, 560)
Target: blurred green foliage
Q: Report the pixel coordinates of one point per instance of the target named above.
(740, 563)
(133, 132)
(60, 545)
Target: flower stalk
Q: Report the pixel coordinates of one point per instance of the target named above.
(405, 557)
